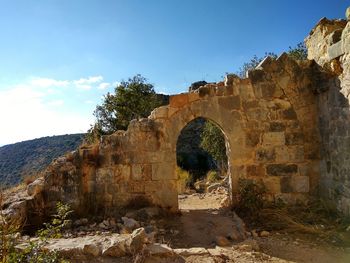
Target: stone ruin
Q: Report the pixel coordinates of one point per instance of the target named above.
(287, 125)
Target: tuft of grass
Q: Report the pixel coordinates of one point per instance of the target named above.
(213, 176)
(184, 180)
(250, 198)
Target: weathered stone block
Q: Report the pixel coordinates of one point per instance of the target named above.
(294, 138)
(282, 154)
(265, 155)
(281, 169)
(178, 101)
(252, 139)
(193, 96)
(163, 171)
(300, 184)
(286, 184)
(160, 113)
(335, 50)
(277, 126)
(230, 102)
(289, 114)
(255, 170)
(259, 114)
(273, 138)
(141, 172)
(272, 184)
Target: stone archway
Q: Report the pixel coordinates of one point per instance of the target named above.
(270, 127)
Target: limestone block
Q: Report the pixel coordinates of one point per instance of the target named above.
(231, 79)
(194, 96)
(246, 91)
(335, 50)
(163, 171)
(282, 154)
(141, 172)
(252, 138)
(265, 154)
(294, 138)
(160, 113)
(277, 126)
(121, 172)
(347, 14)
(220, 91)
(288, 114)
(273, 184)
(300, 184)
(253, 170)
(104, 175)
(281, 169)
(259, 114)
(178, 101)
(273, 138)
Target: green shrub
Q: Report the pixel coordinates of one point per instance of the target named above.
(250, 198)
(184, 180)
(34, 251)
(213, 176)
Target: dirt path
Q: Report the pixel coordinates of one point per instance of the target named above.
(202, 220)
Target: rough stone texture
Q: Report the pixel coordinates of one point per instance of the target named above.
(269, 121)
(329, 45)
(287, 125)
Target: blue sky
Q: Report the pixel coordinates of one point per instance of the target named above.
(58, 58)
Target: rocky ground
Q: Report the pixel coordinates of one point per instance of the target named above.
(204, 231)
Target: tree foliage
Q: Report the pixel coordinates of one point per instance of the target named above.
(134, 98)
(299, 52)
(253, 63)
(213, 141)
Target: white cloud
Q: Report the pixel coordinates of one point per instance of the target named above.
(84, 87)
(89, 80)
(25, 115)
(32, 109)
(89, 102)
(56, 103)
(104, 85)
(47, 82)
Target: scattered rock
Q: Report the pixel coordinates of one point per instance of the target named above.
(213, 187)
(35, 187)
(157, 249)
(191, 251)
(92, 249)
(130, 223)
(222, 241)
(264, 234)
(248, 245)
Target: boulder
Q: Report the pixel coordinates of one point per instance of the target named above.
(222, 241)
(213, 187)
(35, 187)
(130, 223)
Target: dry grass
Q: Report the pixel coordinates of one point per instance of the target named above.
(314, 218)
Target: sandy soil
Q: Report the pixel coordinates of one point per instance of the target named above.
(201, 220)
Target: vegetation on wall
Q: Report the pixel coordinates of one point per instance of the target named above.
(299, 52)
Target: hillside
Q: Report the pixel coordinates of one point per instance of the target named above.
(30, 157)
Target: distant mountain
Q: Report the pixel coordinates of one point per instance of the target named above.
(27, 158)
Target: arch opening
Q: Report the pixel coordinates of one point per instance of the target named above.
(203, 165)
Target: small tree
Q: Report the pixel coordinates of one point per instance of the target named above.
(133, 99)
(299, 52)
(253, 63)
(213, 142)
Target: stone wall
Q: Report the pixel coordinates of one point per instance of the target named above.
(329, 45)
(270, 125)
